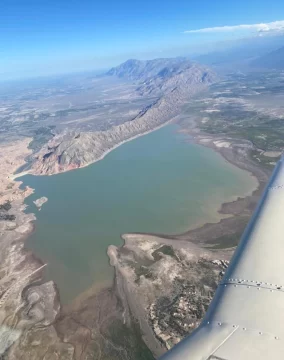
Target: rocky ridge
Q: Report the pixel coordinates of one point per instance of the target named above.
(176, 80)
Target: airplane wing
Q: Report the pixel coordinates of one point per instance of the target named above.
(245, 320)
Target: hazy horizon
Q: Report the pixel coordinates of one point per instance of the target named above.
(45, 39)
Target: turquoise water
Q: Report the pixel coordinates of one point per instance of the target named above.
(156, 183)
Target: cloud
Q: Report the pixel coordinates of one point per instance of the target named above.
(274, 26)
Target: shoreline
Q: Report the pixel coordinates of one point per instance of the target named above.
(120, 290)
(231, 209)
(217, 209)
(219, 239)
(101, 157)
(227, 209)
(22, 282)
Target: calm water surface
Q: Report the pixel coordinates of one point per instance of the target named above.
(156, 183)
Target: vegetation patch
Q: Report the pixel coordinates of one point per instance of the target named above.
(6, 206)
(166, 250)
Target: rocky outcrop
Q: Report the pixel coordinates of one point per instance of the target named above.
(39, 202)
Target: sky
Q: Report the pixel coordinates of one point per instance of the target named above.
(42, 37)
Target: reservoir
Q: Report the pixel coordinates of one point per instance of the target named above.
(160, 182)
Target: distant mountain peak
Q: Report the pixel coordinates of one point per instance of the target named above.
(162, 75)
(138, 70)
(272, 60)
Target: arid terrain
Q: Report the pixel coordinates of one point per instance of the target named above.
(163, 284)
(56, 127)
(28, 307)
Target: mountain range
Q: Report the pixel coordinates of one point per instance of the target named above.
(161, 76)
(272, 60)
(246, 54)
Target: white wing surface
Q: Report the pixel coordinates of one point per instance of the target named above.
(245, 320)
